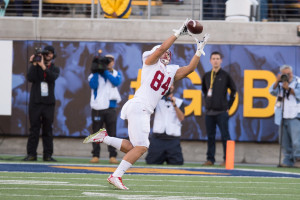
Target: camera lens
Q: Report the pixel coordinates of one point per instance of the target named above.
(284, 77)
(37, 58)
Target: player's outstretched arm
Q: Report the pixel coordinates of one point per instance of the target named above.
(182, 72)
(153, 58)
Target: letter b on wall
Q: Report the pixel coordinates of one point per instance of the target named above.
(250, 93)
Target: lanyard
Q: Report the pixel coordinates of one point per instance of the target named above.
(45, 75)
(212, 78)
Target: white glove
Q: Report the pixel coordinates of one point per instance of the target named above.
(201, 44)
(182, 30)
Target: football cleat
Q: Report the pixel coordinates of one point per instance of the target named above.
(97, 137)
(117, 182)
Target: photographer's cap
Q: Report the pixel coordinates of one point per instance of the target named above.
(110, 56)
(50, 48)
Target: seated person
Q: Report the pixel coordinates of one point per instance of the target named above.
(165, 140)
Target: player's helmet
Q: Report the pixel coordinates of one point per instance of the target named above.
(166, 57)
(154, 48)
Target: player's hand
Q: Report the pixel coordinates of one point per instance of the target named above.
(182, 30)
(201, 45)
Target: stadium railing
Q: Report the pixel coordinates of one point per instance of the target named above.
(134, 2)
(160, 9)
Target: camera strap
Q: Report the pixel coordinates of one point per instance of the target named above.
(288, 93)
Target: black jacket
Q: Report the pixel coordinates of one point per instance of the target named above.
(36, 75)
(218, 101)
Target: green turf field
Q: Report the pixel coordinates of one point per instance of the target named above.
(67, 186)
(90, 186)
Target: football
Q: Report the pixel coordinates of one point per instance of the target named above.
(194, 26)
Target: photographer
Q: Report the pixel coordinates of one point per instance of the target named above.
(42, 74)
(104, 98)
(165, 140)
(287, 114)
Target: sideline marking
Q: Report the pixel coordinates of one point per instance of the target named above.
(158, 171)
(142, 170)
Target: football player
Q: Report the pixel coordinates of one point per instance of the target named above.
(157, 77)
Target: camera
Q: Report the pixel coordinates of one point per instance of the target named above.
(38, 54)
(284, 78)
(166, 96)
(99, 64)
(169, 99)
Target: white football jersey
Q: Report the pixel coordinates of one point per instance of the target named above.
(155, 82)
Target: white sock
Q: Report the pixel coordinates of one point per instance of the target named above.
(113, 141)
(122, 168)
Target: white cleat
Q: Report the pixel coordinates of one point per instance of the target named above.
(117, 182)
(97, 137)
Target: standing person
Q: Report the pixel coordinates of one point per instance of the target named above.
(157, 77)
(165, 140)
(287, 90)
(116, 9)
(215, 85)
(42, 74)
(263, 4)
(104, 99)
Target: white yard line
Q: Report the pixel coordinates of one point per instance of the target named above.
(151, 197)
(159, 197)
(111, 193)
(30, 182)
(42, 196)
(98, 186)
(85, 190)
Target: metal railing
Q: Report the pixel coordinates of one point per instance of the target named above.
(268, 10)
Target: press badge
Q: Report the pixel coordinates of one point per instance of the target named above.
(44, 89)
(278, 102)
(209, 93)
